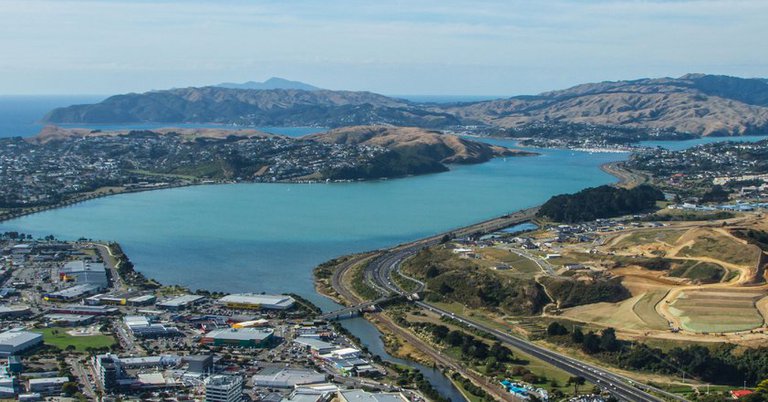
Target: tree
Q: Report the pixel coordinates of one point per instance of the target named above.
(591, 344)
(455, 338)
(577, 336)
(440, 332)
(608, 341)
(556, 329)
(69, 388)
(762, 386)
(576, 381)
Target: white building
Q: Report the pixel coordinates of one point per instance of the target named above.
(81, 271)
(224, 388)
(252, 301)
(17, 340)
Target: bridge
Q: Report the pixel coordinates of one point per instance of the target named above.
(354, 311)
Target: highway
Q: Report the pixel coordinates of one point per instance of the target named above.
(378, 275)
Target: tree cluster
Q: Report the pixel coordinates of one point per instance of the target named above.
(600, 202)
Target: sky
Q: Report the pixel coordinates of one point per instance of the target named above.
(425, 47)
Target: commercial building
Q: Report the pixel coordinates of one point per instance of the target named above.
(72, 293)
(82, 271)
(358, 395)
(79, 309)
(112, 374)
(141, 327)
(276, 377)
(14, 311)
(143, 300)
(252, 301)
(224, 388)
(245, 337)
(180, 302)
(69, 320)
(18, 340)
(315, 346)
(46, 386)
(201, 364)
(96, 300)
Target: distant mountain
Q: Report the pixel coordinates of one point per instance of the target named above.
(695, 103)
(273, 107)
(272, 83)
(699, 104)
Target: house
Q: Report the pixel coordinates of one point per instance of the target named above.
(740, 393)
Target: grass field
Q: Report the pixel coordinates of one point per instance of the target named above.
(713, 310)
(643, 237)
(519, 266)
(706, 272)
(59, 338)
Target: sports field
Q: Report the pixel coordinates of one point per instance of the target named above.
(59, 338)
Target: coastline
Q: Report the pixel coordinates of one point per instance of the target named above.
(627, 178)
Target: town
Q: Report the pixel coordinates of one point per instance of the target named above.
(72, 168)
(74, 326)
(709, 172)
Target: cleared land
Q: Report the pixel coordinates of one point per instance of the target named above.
(717, 310)
(689, 275)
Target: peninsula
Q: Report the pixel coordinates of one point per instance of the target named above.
(61, 166)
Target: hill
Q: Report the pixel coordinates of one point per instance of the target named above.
(273, 107)
(411, 151)
(697, 104)
(272, 83)
(694, 103)
(442, 148)
(55, 133)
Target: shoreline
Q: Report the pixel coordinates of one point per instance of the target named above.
(627, 178)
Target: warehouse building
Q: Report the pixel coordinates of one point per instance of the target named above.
(14, 311)
(141, 327)
(275, 377)
(143, 300)
(79, 309)
(46, 386)
(180, 302)
(359, 395)
(245, 337)
(18, 340)
(252, 301)
(72, 293)
(82, 271)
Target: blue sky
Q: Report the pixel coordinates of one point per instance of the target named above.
(450, 47)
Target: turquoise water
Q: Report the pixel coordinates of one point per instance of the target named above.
(20, 117)
(680, 145)
(268, 237)
(287, 131)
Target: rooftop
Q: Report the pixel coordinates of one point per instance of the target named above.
(181, 300)
(253, 298)
(244, 334)
(358, 395)
(18, 336)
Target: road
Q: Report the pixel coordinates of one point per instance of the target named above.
(378, 275)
